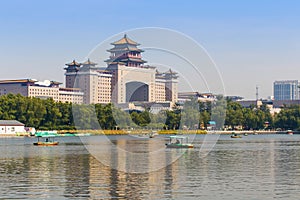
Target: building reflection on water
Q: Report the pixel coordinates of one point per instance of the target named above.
(268, 168)
(113, 174)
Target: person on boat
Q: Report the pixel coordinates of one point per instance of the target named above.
(177, 141)
(47, 140)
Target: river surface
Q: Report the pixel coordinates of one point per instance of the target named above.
(126, 167)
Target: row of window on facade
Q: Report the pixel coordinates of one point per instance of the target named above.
(12, 129)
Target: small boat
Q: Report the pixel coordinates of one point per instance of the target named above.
(153, 134)
(178, 142)
(289, 132)
(146, 135)
(235, 136)
(82, 134)
(47, 141)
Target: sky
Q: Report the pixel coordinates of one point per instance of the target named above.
(253, 43)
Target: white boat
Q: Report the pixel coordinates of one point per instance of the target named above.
(178, 142)
(289, 132)
(153, 134)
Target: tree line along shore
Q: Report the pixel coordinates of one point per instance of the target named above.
(169, 132)
(160, 132)
(45, 114)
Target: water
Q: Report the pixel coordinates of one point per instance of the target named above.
(253, 167)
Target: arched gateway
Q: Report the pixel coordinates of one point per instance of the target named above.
(137, 91)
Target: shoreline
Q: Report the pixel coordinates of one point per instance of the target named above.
(147, 132)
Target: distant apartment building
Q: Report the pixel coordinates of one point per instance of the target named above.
(125, 79)
(286, 90)
(43, 90)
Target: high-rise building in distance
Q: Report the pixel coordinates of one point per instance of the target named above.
(286, 90)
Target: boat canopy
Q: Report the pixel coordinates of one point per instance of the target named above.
(177, 137)
(45, 135)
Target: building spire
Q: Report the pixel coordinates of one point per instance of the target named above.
(89, 62)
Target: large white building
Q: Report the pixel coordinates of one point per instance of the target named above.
(44, 90)
(125, 79)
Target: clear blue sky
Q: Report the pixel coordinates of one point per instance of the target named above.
(252, 42)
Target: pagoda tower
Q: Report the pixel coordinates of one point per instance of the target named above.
(126, 52)
(71, 73)
(131, 79)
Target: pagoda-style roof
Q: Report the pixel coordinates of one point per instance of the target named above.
(157, 72)
(111, 62)
(125, 60)
(88, 62)
(125, 52)
(73, 66)
(125, 40)
(73, 63)
(170, 72)
(125, 48)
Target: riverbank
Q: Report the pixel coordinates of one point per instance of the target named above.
(145, 132)
(167, 132)
(131, 132)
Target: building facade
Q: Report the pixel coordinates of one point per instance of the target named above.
(43, 90)
(71, 95)
(94, 82)
(133, 81)
(125, 79)
(286, 90)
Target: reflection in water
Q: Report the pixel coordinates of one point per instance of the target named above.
(77, 175)
(129, 154)
(256, 167)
